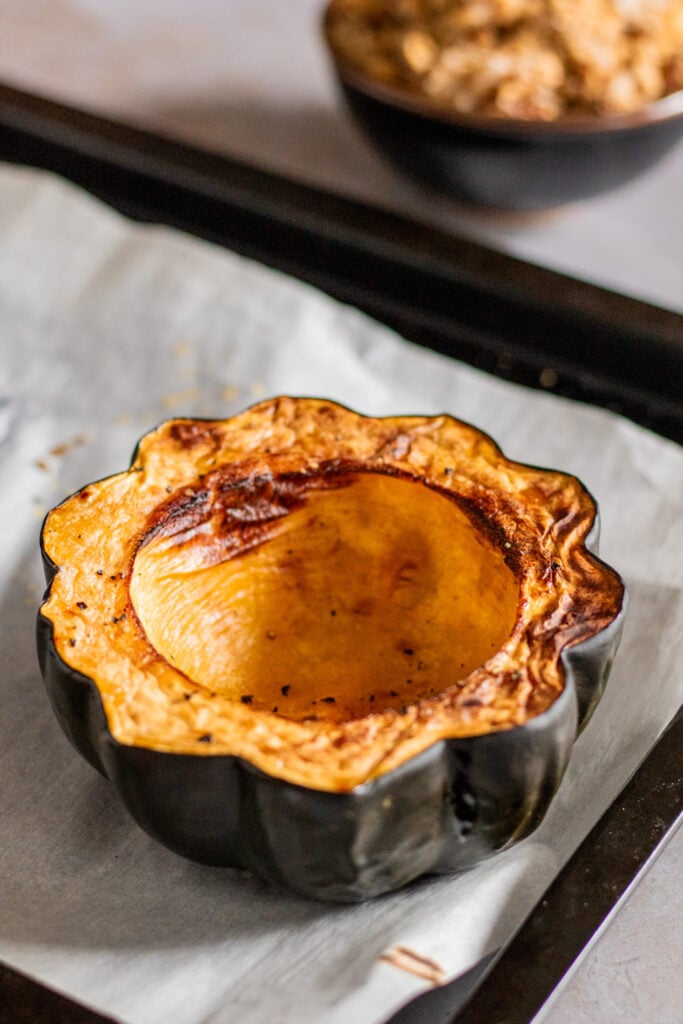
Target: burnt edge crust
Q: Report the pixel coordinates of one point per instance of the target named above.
(445, 809)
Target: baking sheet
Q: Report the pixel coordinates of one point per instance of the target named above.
(107, 328)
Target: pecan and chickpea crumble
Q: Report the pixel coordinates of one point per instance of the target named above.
(532, 59)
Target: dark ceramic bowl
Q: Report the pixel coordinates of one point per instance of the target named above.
(502, 162)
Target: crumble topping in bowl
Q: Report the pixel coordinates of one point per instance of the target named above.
(530, 59)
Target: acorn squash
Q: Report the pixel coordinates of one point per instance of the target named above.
(337, 650)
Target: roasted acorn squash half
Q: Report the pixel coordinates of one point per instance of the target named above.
(339, 651)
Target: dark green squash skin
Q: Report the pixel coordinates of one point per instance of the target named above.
(448, 808)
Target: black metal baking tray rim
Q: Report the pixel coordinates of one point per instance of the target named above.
(521, 322)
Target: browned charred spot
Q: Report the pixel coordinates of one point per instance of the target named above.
(179, 514)
(189, 434)
(364, 607)
(206, 737)
(84, 494)
(242, 509)
(408, 960)
(327, 412)
(472, 702)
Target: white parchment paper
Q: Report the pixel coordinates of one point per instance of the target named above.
(106, 328)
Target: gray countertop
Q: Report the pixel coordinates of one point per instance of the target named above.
(631, 971)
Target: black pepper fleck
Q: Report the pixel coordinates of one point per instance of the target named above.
(408, 650)
(72, 642)
(284, 690)
(82, 605)
(246, 698)
(327, 700)
(207, 737)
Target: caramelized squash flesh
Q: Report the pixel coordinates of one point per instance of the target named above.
(336, 650)
(323, 597)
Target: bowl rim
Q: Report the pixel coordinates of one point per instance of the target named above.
(663, 110)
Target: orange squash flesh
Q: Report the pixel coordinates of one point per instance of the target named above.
(373, 592)
(320, 593)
